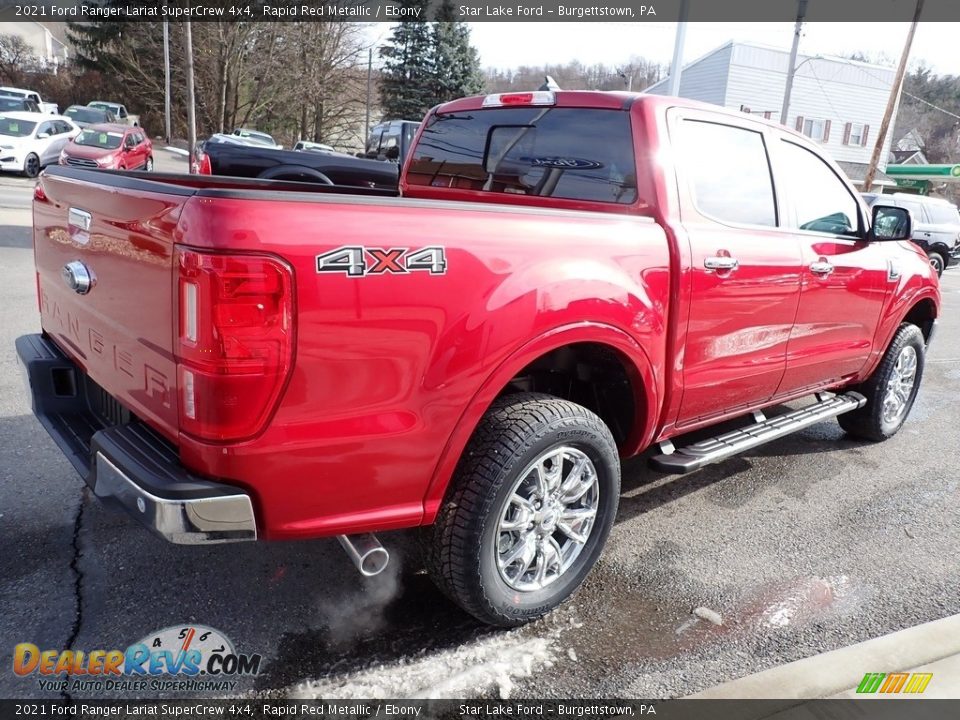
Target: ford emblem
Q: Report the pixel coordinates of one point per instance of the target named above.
(78, 277)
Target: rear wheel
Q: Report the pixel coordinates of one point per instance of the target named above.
(529, 509)
(31, 166)
(937, 262)
(890, 390)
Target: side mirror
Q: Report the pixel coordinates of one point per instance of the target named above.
(43, 135)
(890, 223)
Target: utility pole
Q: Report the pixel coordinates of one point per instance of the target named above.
(675, 66)
(791, 70)
(166, 80)
(366, 133)
(191, 98)
(892, 101)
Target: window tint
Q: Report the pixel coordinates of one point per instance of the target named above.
(730, 172)
(943, 214)
(821, 200)
(575, 153)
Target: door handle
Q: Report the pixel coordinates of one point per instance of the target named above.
(821, 268)
(721, 262)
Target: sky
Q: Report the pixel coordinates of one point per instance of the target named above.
(508, 45)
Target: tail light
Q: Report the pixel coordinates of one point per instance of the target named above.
(201, 164)
(235, 342)
(538, 97)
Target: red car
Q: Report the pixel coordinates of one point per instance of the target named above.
(109, 146)
(569, 279)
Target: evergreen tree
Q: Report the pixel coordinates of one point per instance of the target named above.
(456, 64)
(406, 88)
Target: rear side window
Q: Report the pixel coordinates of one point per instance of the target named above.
(729, 172)
(943, 214)
(570, 153)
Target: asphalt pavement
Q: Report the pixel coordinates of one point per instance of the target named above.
(805, 545)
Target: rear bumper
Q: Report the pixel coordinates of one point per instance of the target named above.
(125, 462)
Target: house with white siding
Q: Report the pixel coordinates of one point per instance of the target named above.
(838, 103)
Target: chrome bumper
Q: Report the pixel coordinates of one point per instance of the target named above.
(125, 462)
(193, 521)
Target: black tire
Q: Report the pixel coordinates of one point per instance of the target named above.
(31, 165)
(461, 547)
(937, 262)
(869, 421)
(148, 165)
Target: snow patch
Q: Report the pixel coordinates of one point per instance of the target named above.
(472, 669)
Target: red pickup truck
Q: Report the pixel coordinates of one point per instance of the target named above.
(567, 279)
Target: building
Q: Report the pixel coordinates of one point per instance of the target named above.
(47, 41)
(837, 102)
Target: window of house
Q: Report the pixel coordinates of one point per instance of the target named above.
(730, 173)
(816, 129)
(855, 134)
(822, 203)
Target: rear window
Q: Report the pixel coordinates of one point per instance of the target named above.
(571, 153)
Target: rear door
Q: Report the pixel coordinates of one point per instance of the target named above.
(744, 279)
(845, 278)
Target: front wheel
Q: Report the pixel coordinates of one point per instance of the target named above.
(529, 509)
(31, 166)
(890, 390)
(148, 167)
(937, 262)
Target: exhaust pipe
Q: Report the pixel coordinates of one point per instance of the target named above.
(367, 553)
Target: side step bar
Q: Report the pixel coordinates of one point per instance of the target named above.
(693, 457)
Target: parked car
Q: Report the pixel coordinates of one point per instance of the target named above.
(217, 156)
(109, 146)
(118, 110)
(84, 115)
(11, 103)
(45, 107)
(307, 146)
(564, 283)
(391, 140)
(936, 225)
(257, 137)
(30, 141)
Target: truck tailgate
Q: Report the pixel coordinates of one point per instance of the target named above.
(119, 231)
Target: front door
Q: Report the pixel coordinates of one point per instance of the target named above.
(845, 278)
(744, 275)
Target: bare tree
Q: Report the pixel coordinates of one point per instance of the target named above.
(16, 58)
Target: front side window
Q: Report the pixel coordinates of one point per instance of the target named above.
(730, 173)
(571, 153)
(822, 203)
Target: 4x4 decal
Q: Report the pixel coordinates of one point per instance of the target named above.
(359, 261)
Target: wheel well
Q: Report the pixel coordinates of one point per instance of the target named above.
(590, 374)
(922, 315)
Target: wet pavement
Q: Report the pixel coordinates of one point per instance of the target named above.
(808, 544)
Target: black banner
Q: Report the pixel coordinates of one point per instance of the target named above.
(858, 11)
(874, 709)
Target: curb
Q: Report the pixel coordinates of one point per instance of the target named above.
(834, 672)
(176, 151)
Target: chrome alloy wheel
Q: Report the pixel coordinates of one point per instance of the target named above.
(547, 520)
(896, 400)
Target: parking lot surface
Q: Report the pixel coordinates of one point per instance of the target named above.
(805, 545)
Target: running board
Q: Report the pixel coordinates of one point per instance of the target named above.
(693, 457)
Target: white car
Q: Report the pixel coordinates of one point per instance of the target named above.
(45, 107)
(306, 146)
(260, 138)
(30, 141)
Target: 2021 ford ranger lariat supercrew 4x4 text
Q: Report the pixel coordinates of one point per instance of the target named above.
(568, 279)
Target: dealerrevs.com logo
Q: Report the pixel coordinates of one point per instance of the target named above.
(179, 658)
